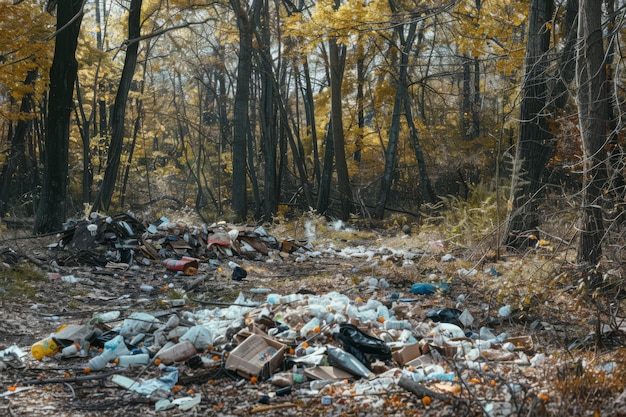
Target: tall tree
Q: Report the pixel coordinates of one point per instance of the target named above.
(52, 205)
(406, 43)
(245, 23)
(104, 196)
(535, 139)
(14, 172)
(593, 115)
(337, 58)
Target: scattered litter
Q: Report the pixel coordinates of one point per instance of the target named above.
(336, 345)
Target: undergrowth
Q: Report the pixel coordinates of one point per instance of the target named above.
(18, 280)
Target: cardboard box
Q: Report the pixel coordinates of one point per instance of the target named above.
(407, 353)
(524, 343)
(327, 372)
(256, 356)
(422, 361)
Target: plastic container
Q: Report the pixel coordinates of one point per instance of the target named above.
(106, 317)
(136, 323)
(318, 384)
(310, 327)
(64, 336)
(100, 362)
(188, 266)
(177, 353)
(140, 359)
(70, 350)
(44, 347)
(397, 325)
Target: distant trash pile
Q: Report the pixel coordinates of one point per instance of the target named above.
(122, 240)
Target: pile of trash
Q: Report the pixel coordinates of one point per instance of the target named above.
(121, 240)
(299, 345)
(328, 345)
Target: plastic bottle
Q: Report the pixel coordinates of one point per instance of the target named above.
(140, 359)
(100, 362)
(136, 323)
(179, 352)
(397, 324)
(70, 350)
(309, 327)
(106, 317)
(318, 384)
(44, 347)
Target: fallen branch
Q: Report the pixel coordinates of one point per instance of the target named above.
(71, 379)
(263, 408)
(419, 390)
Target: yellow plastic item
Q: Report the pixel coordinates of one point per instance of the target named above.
(46, 347)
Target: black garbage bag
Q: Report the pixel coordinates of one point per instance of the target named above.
(445, 315)
(239, 273)
(364, 347)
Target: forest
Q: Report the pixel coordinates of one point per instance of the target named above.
(250, 111)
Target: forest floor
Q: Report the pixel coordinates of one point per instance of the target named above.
(574, 365)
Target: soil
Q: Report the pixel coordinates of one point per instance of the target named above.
(547, 306)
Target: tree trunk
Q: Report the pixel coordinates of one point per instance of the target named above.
(428, 192)
(240, 106)
(309, 109)
(360, 98)
(15, 169)
(84, 126)
(104, 196)
(466, 102)
(337, 60)
(534, 144)
(52, 204)
(593, 114)
(394, 130)
(131, 151)
(268, 117)
(476, 106)
(323, 194)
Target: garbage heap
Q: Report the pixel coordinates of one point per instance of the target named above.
(327, 345)
(122, 241)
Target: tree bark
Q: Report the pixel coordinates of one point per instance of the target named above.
(104, 196)
(534, 143)
(337, 58)
(268, 117)
(593, 115)
(323, 194)
(15, 169)
(428, 192)
(51, 207)
(394, 130)
(240, 107)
